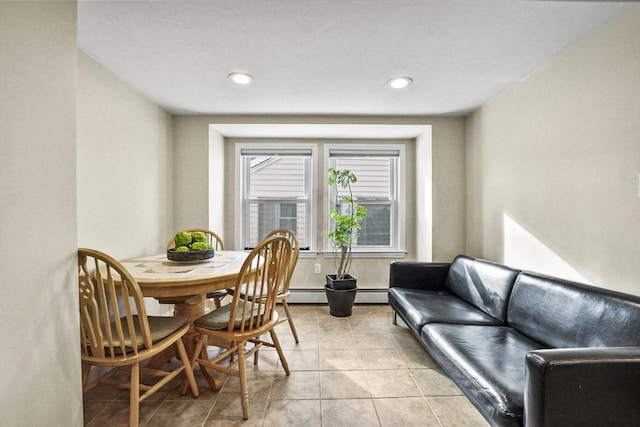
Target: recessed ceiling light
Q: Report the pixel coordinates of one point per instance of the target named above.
(400, 82)
(241, 78)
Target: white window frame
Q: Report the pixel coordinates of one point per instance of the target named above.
(241, 202)
(398, 205)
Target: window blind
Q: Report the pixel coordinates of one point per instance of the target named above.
(363, 153)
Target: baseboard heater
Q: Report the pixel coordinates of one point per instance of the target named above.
(317, 296)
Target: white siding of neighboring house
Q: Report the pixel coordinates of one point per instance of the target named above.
(373, 176)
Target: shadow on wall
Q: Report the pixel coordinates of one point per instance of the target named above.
(524, 251)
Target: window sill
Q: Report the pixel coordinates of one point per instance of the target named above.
(371, 254)
(360, 254)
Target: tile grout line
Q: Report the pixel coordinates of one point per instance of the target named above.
(375, 336)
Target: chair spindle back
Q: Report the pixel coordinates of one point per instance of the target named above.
(113, 320)
(295, 252)
(264, 271)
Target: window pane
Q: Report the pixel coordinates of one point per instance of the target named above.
(374, 176)
(276, 192)
(376, 227)
(266, 219)
(375, 189)
(288, 210)
(273, 176)
(288, 217)
(265, 216)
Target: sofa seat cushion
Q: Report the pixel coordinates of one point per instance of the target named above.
(419, 307)
(487, 363)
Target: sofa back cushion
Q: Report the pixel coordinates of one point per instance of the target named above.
(560, 313)
(481, 283)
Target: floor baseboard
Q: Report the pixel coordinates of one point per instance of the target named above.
(317, 296)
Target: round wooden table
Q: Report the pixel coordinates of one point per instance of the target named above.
(185, 284)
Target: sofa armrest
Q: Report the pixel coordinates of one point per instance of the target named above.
(418, 275)
(597, 386)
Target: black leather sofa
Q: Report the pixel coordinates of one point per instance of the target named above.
(526, 349)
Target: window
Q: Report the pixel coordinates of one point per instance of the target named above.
(379, 188)
(276, 190)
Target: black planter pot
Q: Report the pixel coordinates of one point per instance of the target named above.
(340, 294)
(349, 282)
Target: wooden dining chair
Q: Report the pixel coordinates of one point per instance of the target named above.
(248, 316)
(116, 332)
(283, 291)
(218, 244)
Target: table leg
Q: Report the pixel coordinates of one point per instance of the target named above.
(215, 382)
(192, 308)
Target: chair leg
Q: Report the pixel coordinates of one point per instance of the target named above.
(200, 342)
(276, 343)
(232, 355)
(395, 318)
(215, 384)
(188, 369)
(243, 381)
(134, 396)
(217, 302)
(290, 319)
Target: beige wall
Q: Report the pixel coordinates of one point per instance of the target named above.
(125, 172)
(193, 144)
(191, 172)
(39, 355)
(449, 188)
(553, 165)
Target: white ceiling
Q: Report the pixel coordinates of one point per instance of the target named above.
(331, 57)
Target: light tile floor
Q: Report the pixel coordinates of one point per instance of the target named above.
(355, 371)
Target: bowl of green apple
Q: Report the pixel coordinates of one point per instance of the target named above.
(190, 247)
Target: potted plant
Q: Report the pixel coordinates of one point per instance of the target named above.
(345, 217)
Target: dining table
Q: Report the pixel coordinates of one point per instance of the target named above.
(185, 285)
